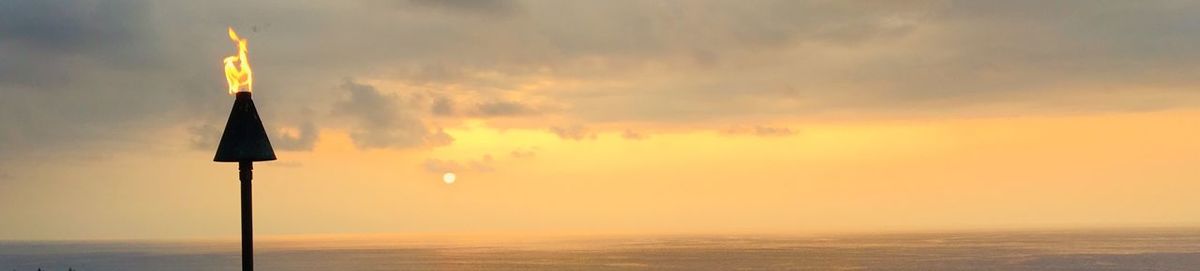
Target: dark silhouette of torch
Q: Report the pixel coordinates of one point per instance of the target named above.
(245, 142)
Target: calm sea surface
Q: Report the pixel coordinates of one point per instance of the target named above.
(1050, 250)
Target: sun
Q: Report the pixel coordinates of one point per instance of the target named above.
(449, 177)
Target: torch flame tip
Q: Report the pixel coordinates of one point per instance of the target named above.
(233, 35)
(237, 68)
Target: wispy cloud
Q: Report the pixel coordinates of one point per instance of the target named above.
(84, 72)
(472, 7)
(205, 136)
(504, 108)
(759, 130)
(524, 153)
(301, 139)
(633, 135)
(382, 121)
(483, 164)
(573, 132)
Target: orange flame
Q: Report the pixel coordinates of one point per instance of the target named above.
(239, 76)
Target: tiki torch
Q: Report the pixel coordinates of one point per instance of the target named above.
(244, 140)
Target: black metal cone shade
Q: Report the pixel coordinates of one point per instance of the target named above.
(244, 139)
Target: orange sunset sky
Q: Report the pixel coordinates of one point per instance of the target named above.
(602, 116)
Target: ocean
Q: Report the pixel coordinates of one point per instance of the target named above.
(1175, 249)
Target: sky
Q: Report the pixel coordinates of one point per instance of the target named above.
(601, 116)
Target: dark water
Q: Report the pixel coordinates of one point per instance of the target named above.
(1060, 250)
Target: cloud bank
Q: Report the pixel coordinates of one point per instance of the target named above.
(82, 74)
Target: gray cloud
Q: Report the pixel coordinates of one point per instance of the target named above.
(45, 35)
(303, 137)
(477, 7)
(1029, 52)
(205, 136)
(917, 58)
(504, 108)
(442, 106)
(760, 130)
(301, 140)
(524, 153)
(439, 138)
(484, 164)
(772, 131)
(381, 120)
(633, 135)
(79, 74)
(446, 107)
(441, 166)
(573, 132)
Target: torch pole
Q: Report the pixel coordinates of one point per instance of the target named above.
(245, 141)
(246, 169)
